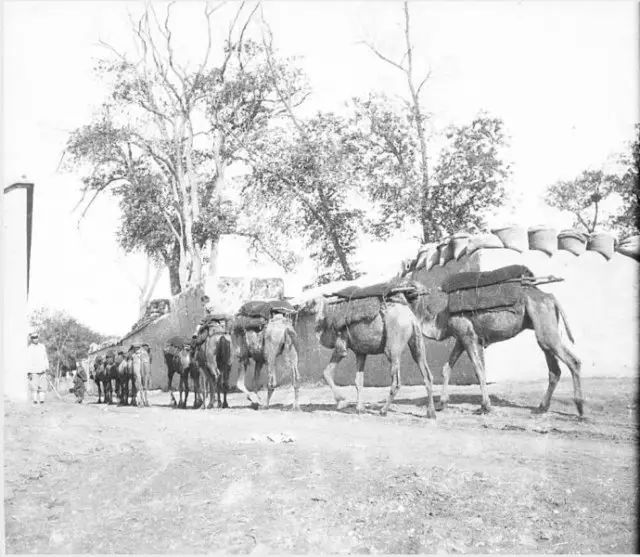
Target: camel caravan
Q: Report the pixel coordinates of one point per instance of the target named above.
(476, 309)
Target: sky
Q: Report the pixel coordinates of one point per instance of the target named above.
(562, 76)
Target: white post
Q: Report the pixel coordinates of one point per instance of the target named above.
(14, 291)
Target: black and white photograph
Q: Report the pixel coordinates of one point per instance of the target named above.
(320, 277)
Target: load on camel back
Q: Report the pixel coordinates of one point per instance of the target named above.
(376, 319)
(478, 309)
(263, 332)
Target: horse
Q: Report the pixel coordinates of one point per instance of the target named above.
(533, 309)
(212, 356)
(386, 331)
(177, 357)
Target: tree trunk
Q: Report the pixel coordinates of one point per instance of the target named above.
(174, 276)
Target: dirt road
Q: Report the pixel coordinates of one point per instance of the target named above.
(104, 479)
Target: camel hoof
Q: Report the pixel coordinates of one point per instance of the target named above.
(255, 406)
(580, 407)
(383, 411)
(540, 409)
(431, 414)
(360, 408)
(296, 408)
(483, 410)
(225, 405)
(342, 404)
(442, 405)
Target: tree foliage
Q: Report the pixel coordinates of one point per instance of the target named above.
(467, 179)
(582, 197)
(627, 220)
(166, 136)
(306, 179)
(65, 338)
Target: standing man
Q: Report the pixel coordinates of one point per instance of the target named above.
(208, 309)
(37, 366)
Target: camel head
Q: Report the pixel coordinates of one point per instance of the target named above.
(430, 307)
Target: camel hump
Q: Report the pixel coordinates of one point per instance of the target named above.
(475, 279)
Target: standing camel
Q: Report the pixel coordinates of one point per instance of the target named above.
(517, 306)
(125, 377)
(212, 355)
(263, 338)
(99, 374)
(370, 325)
(177, 356)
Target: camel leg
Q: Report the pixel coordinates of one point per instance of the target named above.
(257, 369)
(360, 361)
(554, 377)
(419, 354)
(467, 336)
(458, 348)
(295, 376)
(241, 384)
(185, 374)
(195, 376)
(544, 317)
(225, 386)
(574, 365)
(395, 383)
(328, 373)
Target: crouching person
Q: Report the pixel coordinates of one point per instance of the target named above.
(79, 384)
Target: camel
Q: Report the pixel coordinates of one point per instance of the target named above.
(533, 309)
(388, 331)
(177, 356)
(99, 375)
(212, 356)
(125, 377)
(110, 382)
(264, 344)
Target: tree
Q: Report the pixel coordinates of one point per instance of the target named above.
(305, 178)
(416, 119)
(467, 179)
(470, 171)
(65, 338)
(165, 139)
(582, 197)
(469, 175)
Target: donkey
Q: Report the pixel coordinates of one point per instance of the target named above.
(535, 310)
(387, 333)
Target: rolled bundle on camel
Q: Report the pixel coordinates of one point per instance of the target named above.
(372, 320)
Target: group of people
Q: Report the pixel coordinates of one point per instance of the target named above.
(38, 368)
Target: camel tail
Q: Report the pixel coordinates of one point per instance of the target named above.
(560, 313)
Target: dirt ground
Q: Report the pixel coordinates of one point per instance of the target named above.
(106, 479)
